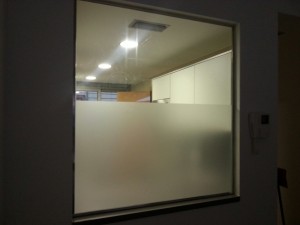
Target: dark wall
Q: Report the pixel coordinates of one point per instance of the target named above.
(1, 111)
(39, 80)
(39, 111)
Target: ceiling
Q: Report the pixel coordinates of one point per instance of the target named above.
(101, 28)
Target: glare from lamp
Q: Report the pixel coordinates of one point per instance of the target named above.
(129, 44)
(90, 78)
(104, 66)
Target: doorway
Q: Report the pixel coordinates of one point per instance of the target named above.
(289, 111)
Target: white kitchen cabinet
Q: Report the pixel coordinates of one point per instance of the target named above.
(161, 88)
(213, 81)
(182, 86)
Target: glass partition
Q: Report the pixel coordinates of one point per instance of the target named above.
(153, 115)
(131, 154)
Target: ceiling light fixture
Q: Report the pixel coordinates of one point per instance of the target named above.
(90, 78)
(145, 25)
(129, 44)
(104, 66)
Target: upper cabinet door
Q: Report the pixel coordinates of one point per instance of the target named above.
(213, 81)
(182, 86)
(161, 88)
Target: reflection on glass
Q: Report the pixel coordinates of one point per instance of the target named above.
(178, 146)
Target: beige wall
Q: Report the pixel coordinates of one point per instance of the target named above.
(289, 114)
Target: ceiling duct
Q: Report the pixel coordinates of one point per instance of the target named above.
(145, 25)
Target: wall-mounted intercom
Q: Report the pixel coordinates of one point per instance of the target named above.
(259, 127)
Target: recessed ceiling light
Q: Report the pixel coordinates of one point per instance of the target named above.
(90, 78)
(104, 66)
(77, 92)
(129, 44)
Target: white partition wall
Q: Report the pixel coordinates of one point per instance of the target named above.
(206, 82)
(131, 154)
(161, 88)
(213, 80)
(182, 86)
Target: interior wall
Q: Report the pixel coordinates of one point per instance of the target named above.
(289, 7)
(38, 122)
(289, 111)
(1, 111)
(39, 112)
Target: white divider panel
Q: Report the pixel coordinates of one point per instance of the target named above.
(213, 80)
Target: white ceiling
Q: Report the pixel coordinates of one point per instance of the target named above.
(101, 28)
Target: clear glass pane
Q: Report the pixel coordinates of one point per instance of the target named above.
(92, 95)
(108, 96)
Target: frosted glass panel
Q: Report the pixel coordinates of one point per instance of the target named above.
(130, 154)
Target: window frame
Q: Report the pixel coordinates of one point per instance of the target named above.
(111, 216)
